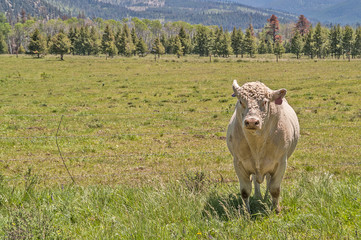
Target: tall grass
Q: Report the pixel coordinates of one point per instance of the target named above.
(322, 207)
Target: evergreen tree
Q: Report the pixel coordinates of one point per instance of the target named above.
(60, 44)
(217, 49)
(302, 25)
(278, 49)
(72, 35)
(269, 46)
(94, 41)
(141, 47)
(309, 48)
(157, 48)
(319, 40)
(273, 27)
(134, 40)
(201, 41)
(347, 41)
(177, 47)
(82, 45)
(125, 43)
(37, 43)
(356, 48)
(236, 41)
(3, 45)
(108, 45)
(225, 46)
(296, 44)
(186, 42)
(249, 41)
(336, 41)
(262, 47)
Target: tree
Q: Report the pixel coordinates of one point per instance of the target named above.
(108, 45)
(319, 40)
(336, 41)
(201, 41)
(236, 41)
(124, 42)
(309, 48)
(177, 47)
(185, 41)
(356, 48)
(225, 45)
(60, 44)
(37, 43)
(141, 47)
(278, 49)
(3, 45)
(273, 27)
(347, 41)
(157, 49)
(249, 42)
(94, 41)
(82, 45)
(302, 25)
(72, 35)
(296, 44)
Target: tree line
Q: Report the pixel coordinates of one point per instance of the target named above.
(130, 37)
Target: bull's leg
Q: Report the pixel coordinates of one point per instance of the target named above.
(257, 188)
(268, 180)
(245, 184)
(275, 186)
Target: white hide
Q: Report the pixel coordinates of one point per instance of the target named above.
(262, 144)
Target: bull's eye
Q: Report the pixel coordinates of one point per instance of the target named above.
(242, 104)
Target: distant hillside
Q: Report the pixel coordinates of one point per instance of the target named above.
(208, 12)
(41, 8)
(333, 11)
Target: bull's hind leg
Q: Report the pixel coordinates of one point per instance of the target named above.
(245, 184)
(257, 188)
(275, 186)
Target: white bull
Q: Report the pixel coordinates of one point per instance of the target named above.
(261, 136)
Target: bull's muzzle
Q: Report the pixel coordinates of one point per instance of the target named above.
(252, 123)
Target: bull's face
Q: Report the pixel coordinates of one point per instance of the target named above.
(254, 104)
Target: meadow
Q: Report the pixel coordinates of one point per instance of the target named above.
(144, 142)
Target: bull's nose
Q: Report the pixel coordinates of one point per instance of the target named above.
(251, 123)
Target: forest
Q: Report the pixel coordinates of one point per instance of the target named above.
(130, 37)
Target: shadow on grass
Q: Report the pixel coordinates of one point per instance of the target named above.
(230, 207)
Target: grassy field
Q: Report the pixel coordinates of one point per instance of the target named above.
(145, 144)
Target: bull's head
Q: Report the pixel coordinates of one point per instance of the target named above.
(255, 103)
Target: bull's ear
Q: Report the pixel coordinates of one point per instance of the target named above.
(278, 95)
(235, 87)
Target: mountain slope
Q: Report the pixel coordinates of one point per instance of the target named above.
(40, 8)
(208, 12)
(334, 11)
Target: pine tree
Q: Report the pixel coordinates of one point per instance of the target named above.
(185, 41)
(125, 43)
(236, 39)
(82, 45)
(278, 49)
(217, 49)
(296, 44)
(225, 47)
(201, 41)
(302, 25)
(37, 43)
(336, 41)
(347, 41)
(60, 44)
(3, 45)
(157, 48)
(273, 27)
(356, 48)
(108, 45)
(72, 35)
(141, 47)
(134, 40)
(249, 41)
(177, 47)
(94, 41)
(309, 48)
(319, 40)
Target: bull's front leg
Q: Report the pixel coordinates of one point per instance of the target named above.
(245, 183)
(275, 184)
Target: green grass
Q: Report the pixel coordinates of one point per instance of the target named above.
(145, 142)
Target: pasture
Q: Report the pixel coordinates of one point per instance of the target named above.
(145, 144)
